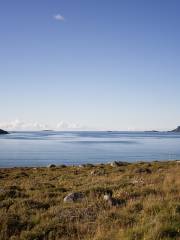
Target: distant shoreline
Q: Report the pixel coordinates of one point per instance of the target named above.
(107, 131)
(84, 165)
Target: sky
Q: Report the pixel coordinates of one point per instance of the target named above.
(89, 64)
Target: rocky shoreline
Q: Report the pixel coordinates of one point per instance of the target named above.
(3, 131)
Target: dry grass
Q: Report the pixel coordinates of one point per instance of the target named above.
(32, 207)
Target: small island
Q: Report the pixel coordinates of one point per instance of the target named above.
(151, 131)
(47, 130)
(176, 130)
(3, 132)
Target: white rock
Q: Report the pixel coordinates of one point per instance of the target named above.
(51, 166)
(73, 197)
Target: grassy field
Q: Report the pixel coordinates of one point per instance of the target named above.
(32, 206)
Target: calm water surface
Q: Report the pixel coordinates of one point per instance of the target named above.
(44, 147)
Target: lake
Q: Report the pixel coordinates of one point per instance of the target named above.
(44, 147)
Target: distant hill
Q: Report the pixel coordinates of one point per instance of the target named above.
(3, 132)
(47, 130)
(176, 130)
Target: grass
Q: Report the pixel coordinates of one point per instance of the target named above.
(32, 207)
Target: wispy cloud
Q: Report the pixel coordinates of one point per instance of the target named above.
(59, 17)
(21, 125)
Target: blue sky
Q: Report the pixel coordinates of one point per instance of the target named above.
(90, 64)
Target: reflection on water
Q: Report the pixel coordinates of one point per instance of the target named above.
(41, 148)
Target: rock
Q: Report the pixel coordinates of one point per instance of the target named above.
(143, 170)
(3, 132)
(112, 201)
(81, 166)
(73, 197)
(94, 173)
(114, 164)
(99, 192)
(107, 196)
(97, 172)
(118, 164)
(62, 166)
(86, 165)
(51, 166)
(89, 165)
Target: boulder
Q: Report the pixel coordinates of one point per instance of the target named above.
(118, 164)
(86, 165)
(3, 132)
(112, 201)
(62, 166)
(73, 197)
(89, 165)
(51, 166)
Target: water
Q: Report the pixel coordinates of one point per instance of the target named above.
(44, 147)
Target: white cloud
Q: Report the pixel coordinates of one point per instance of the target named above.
(20, 125)
(23, 126)
(59, 17)
(70, 126)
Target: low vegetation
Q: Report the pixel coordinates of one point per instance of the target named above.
(32, 205)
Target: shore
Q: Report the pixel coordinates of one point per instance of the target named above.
(53, 203)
